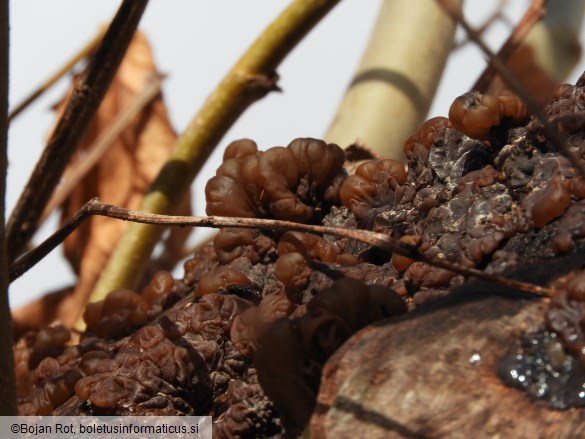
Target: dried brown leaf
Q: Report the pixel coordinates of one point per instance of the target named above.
(121, 177)
(34, 315)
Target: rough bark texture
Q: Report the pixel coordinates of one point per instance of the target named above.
(436, 376)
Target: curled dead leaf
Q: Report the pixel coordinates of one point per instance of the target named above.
(120, 177)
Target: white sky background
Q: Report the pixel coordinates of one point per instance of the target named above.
(195, 43)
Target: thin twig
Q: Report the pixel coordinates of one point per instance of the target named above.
(516, 85)
(496, 16)
(533, 15)
(85, 51)
(102, 144)
(253, 76)
(33, 256)
(7, 378)
(82, 106)
(380, 240)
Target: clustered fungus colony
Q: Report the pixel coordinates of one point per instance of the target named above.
(245, 334)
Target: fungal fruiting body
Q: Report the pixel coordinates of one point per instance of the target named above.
(291, 352)
(475, 114)
(245, 333)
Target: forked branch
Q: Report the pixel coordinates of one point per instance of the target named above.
(380, 240)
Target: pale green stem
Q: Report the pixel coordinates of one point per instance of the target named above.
(394, 85)
(253, 76)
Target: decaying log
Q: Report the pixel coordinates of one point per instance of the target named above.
(434, 373)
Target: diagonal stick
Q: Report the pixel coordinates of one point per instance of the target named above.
(380, 240)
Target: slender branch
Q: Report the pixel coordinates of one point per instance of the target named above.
(515, 84)
(380, 240)
(533, 15)
(85, 100)
(7, 377)
(85, 51)
(33, 256)
(102, 144)
(253, 76)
